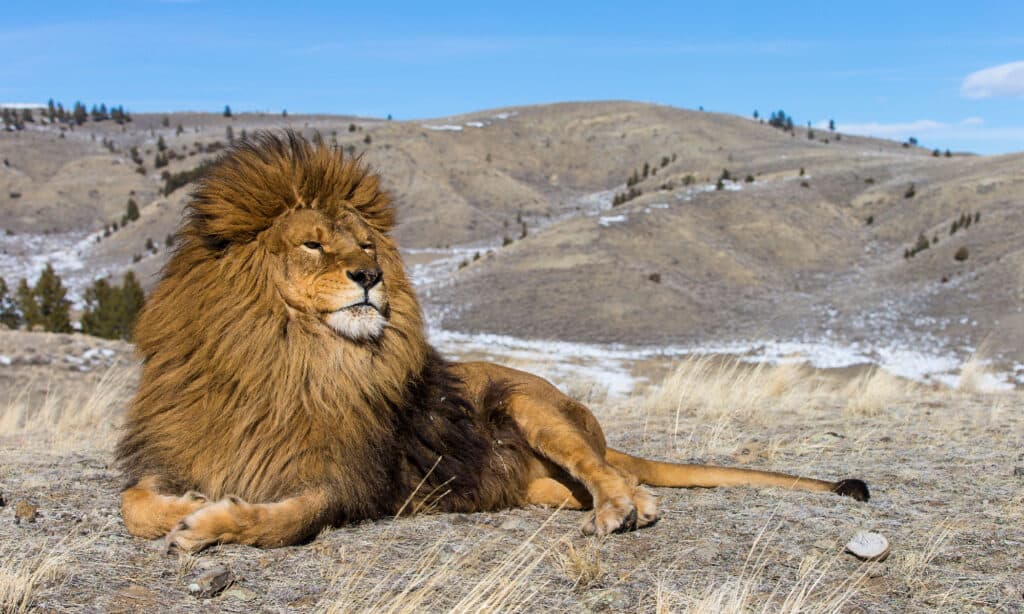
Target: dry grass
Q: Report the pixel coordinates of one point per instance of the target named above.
(23, 573)
(711, 388)
(869, 394)
(926, 471)
(818, 587)
(503, 583)
(71, 420)
(976, 376)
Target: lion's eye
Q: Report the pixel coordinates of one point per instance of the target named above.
(367, 247)
(313, 245)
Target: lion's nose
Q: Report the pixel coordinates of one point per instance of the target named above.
(367, 278)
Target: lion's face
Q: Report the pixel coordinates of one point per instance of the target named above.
(329, 268)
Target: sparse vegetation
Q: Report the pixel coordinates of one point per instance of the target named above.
(44, 305)
(10, 315)
(173, 181)
(780, 120)
(110, 311)
(624, 197)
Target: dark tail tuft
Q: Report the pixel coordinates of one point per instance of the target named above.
(852, 488)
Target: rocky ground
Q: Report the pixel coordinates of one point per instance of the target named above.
(951, 506)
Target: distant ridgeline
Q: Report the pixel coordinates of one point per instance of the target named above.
(16, 116)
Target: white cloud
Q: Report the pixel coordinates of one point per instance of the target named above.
(968, 134)
(1002, 80)
(896, 130)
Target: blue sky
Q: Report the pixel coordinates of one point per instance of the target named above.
(892, 69)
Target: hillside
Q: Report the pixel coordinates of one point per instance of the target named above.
(810, 250)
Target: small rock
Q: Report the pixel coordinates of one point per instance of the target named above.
(609, 599)
(868, 546)
(513, 524)
(240, 593)
(25, 512)
(210, 583)
(824, 544)
(1017, 471)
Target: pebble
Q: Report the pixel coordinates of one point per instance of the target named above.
(210, 583)
(513, 524)
(240, 593)
(868, 546)
(25, 512)
(609, 599)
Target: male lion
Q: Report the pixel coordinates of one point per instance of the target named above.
(287, 383)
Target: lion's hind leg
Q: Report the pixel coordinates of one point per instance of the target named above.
(150, 514)
(566, 437)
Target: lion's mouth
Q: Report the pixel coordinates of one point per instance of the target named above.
(357, 307)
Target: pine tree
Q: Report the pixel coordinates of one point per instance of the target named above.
(9, 315)
(101, 305)
(132, 210)
(79, 114)
(161, 144)
(27, 305)
(110, 311)
(54, 308)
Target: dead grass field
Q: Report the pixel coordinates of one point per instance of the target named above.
(941, 465)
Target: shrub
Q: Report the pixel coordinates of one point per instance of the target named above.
(131, 211)
(110, 311)
(961, 254)
(10, 316)
(173, 181)
(45, 304)
(911, 191)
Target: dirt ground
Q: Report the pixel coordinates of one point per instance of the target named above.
(946, 469)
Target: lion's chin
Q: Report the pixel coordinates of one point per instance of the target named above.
(361, 323)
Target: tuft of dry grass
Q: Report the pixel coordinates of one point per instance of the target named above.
(427, 580)
(24, 571)
(818, 587)
(870, 393)
(710, 388)
(581, 565)
(72, 421)
(976, 376)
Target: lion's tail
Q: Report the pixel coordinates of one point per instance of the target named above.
(656, 473)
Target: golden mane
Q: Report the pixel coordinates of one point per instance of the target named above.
(226, 364)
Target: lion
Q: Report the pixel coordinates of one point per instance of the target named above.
(288, 385)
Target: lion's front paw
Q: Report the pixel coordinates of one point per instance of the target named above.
(646, 507)
(216, 523)
(619, 514)
(610, 516)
